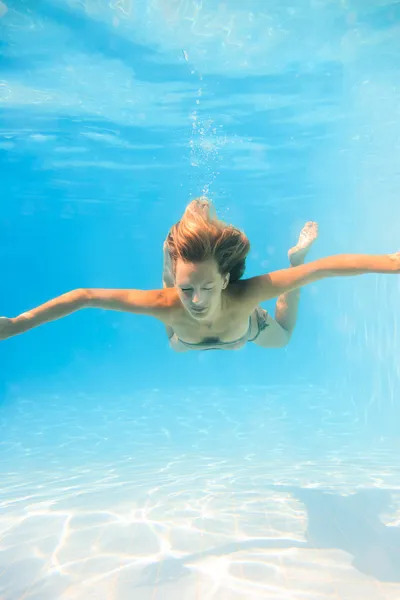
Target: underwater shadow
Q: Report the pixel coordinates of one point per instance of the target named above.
(348, 523)
(353, 524)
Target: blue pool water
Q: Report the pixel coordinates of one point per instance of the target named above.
(128, 471)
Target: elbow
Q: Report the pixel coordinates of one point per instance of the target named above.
(82, 297)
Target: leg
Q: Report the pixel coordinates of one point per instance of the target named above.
(280, 329)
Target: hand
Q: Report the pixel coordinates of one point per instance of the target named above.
(6, 328)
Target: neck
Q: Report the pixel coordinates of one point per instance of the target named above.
(216, 314)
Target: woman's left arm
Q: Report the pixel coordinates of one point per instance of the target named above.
(265, 287)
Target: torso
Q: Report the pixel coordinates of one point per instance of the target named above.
(231, 325)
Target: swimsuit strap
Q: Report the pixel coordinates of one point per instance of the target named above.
(259, 322)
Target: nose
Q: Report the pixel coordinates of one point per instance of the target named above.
(196, 297)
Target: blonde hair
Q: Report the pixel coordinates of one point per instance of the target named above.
(200, 236)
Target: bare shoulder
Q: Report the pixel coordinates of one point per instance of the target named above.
(167, 298)
(244, 287)
(242, 294)
(165, 305)
(250, 292)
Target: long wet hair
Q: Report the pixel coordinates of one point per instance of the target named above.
(201, 236)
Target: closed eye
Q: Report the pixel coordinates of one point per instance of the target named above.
(190, 289)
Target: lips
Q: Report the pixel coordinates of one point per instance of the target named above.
(198, 310)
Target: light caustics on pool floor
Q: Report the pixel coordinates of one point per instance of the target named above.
(164, 497)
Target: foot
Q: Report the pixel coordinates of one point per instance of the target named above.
(307, 237)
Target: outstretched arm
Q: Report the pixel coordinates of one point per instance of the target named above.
(152, 302)
(265, 287)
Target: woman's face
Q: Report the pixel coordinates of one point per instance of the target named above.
(200, 286)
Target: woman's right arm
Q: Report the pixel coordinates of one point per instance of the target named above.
(155, 303)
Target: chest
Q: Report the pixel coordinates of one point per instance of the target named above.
(231, 327)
